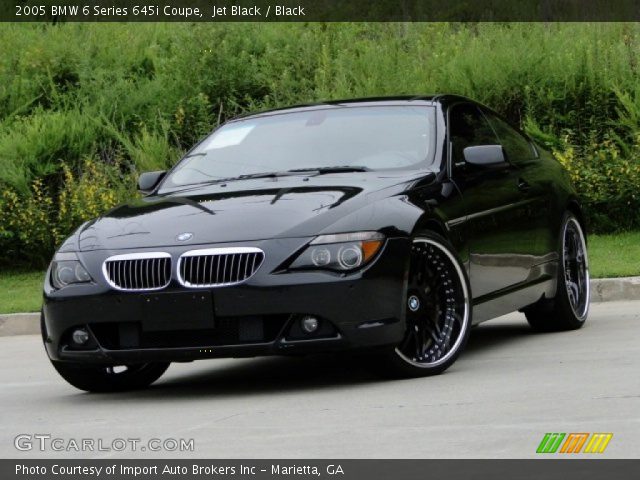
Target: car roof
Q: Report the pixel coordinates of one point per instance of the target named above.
(425, 100)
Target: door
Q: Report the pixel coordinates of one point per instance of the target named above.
(535, 183)
(497, 208)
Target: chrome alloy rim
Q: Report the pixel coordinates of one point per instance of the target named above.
(437, 306)
(576, 268)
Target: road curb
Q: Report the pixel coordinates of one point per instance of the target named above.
(602, 290)
(615, 289)
(19, 324)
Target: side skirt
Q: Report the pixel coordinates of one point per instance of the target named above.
(542, 283)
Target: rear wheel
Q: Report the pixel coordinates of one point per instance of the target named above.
(568, 310)
(110, 378)
(438, 311)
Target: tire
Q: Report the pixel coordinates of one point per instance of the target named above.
(438, 311)
(105, 379)
(569, 309)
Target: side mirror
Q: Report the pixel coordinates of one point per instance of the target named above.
(488, 156)
(148, 180)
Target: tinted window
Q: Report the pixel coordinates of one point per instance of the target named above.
(378, 138)
(467, 128)
(515, 145)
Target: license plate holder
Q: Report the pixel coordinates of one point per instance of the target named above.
(177, 311)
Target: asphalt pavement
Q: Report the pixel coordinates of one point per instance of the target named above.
(509, 388)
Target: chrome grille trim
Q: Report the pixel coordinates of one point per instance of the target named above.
(218, 267)
(136, 272)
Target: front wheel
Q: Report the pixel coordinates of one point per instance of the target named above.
(438, 311)
(105, 379)
(568, 310)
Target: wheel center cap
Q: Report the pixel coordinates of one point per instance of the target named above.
(414, 303)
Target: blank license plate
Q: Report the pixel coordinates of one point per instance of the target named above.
(177, 311)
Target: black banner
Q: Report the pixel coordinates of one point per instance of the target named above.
(318, 10)
(573, 469)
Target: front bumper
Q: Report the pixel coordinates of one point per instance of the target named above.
(258, 317)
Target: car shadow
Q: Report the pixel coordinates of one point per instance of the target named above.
(269, 375)
(489, 336)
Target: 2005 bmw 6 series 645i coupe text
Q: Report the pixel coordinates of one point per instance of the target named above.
(389, 224)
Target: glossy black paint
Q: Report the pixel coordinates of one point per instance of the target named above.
(503, 222)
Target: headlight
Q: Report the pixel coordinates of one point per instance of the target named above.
(341, 252)
(67, 269)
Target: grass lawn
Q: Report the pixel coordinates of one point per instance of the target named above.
(20, 291)
(610, 256)
(614, 255)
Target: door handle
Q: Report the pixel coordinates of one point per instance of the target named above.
(523, 186)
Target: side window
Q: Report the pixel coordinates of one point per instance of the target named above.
(516, 146)
(468, 127)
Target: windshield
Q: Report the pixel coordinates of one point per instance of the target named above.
(365, 138)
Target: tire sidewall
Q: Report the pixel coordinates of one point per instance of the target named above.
(562, 296)
(96, 379)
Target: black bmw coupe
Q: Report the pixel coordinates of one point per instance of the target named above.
(388, 225)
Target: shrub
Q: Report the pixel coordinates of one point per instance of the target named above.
(133, 97)
(32, 225)
(607, 182)
(34, 146)
(26, 233)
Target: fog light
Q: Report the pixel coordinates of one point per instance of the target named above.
(309, 324)
(80, 336)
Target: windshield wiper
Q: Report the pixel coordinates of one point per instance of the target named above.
(246, 176)
(259, 175)
(334, 169)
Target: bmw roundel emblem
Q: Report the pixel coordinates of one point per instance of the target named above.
(183, 237)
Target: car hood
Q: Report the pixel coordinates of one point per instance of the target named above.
(239, 211)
